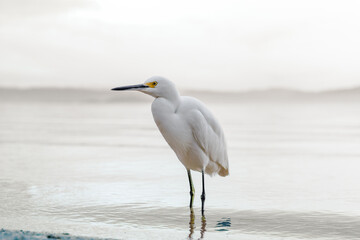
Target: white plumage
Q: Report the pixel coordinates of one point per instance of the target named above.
(188, 127)
(193, 133)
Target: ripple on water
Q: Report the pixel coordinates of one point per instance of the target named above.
(275, 223)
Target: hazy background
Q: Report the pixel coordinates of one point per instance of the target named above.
(237, 45)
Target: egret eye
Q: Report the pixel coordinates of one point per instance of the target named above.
(154, 84)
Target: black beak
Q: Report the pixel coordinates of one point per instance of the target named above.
(138, 86)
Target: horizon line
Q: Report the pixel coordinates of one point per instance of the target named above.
(253, 90)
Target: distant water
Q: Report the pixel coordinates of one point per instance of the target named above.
(103, 170)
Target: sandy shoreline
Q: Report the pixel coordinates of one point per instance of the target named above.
(23, 235)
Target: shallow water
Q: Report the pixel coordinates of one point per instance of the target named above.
(103, 170)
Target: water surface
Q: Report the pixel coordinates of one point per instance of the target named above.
(103, 170)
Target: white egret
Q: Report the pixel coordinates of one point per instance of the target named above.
(189, 128)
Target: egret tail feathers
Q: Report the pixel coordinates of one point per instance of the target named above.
(214, 168)
(223, 172)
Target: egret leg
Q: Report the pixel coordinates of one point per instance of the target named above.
(192, 189)
(203, 193)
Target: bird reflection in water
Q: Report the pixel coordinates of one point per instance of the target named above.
(192, 225)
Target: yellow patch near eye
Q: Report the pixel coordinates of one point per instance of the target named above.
(151, 84)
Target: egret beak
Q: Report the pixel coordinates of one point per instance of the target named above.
(130, 87)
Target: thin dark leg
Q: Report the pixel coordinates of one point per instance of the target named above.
(192, 189)
(203, 194)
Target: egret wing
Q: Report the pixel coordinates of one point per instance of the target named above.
(209, 136)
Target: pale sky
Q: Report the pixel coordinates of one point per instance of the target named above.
(225, 45)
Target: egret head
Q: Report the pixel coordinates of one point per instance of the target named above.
(154, 86)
